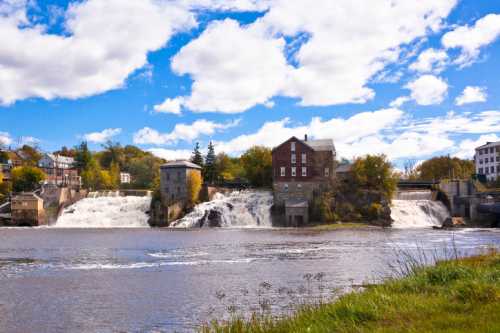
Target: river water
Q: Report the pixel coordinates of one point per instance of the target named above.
(152, 280)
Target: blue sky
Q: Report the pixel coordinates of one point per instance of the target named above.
(408, 79)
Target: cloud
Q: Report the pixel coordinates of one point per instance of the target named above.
(399, 101)
(103, 136)
(5, 138)
(470, 39)
(170, 105)
(171, 154)
(387, 131)
(428, 89)
(103, 43)
(430, 60)
(471, 94)
(182, 132)
(466, 148)
(338, 47)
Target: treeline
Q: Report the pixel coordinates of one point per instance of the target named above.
(253, 166)
(439, 168)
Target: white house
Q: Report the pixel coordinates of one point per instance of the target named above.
(124, 177)
(487, 160)
(51, 161)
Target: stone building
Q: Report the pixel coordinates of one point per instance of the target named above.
(301, 168)
(27, 210)
(173, 186)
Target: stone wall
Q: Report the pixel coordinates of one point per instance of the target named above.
(294, 190)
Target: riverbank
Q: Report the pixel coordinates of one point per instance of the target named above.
(453, 296)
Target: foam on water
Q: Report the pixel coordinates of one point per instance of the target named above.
(237, 209)
(417, 210)
(106, 212)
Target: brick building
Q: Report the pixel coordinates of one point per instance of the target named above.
(301, 168)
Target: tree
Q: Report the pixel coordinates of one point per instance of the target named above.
(4, 157)
(64, 151)
(209, 169)
(197, 158)
(144, 171)
(443, 167)
(114, 174)
(410, 169)
(257, 163)
(375, 172)
(91, 175)
(26, 178)
(30, 155)
(113, 152)
(83, 156)
(193, 187)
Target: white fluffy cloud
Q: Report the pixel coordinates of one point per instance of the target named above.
(104, 42)
(334, 49)
(430, 60)
(471, 94)
(170, 105)
(5, 139)
(466, 148)
(428, 89)
(181, 132)
(171, 154)
(470, 39)
(103, 136)
(399, 101)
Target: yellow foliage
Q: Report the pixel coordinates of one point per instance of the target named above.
(193, 186)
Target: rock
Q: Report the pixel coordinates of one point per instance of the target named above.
(448, 223)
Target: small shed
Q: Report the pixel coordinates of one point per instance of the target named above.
(297, 213)
(27, 210)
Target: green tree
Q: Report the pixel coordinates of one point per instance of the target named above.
(83, 156)
(210, 168)
(375, 172)
(257, 163)
(443, 167)
(193, 185)
(30, 155)
(26, 178)
(4, 157)
(197, 158)
(91, 175)
(113, 152)
(228, 168)
(144, 171)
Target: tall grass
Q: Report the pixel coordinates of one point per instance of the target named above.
(453, 295)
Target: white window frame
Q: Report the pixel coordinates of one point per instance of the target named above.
(292, 146)
(304, 158)
(304, 171)
(327, 172)
(294, 171)
(294, 158)
(283, 171)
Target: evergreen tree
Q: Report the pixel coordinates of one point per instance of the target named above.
(83, 156)
(197, 158)
(210, 167)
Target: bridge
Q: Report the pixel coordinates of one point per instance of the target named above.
(417, 184)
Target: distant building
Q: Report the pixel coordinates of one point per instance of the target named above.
(124, 178)
(173, 185)
(301, 168)
(487, 160)
(27, 210)
(60, 170)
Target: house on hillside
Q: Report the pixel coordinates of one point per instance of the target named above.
(60, 170)
(301, 169)
(125, 178)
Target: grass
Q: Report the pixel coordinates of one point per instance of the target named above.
(460, 295)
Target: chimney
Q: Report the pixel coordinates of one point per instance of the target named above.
(305, 137)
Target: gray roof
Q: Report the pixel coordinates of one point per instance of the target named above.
(61, 159)
(344, 168)
(320, 145)
(489, 144)
(180, 164)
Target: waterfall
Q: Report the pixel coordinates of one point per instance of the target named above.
(416, 209)
(237, 209)
(106, 212)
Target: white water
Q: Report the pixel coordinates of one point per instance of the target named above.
(237, 209)
(106, 212)
(417, 210)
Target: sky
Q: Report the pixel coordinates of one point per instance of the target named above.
(409, 79)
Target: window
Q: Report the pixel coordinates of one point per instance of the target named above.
(286, 188)
(480, 161)
(178, 175)
(292, 146)
(294, 158)
(491, 150)
(492, 169)
(480, 152)
(491, 159)
(168, 176)
(282, 171)
(480, 171)
(304, 171)
(294, 171)
(304, 158)
(327, 172)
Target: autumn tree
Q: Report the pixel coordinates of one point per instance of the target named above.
(194, 183)
(26, 178)
(114, 174)
(257, 163)
(228, 168)
(375, 172)
(443, 167)
(30, 155)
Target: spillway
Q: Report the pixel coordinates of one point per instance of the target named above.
(416, 209)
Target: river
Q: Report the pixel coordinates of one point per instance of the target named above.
(152, 280)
